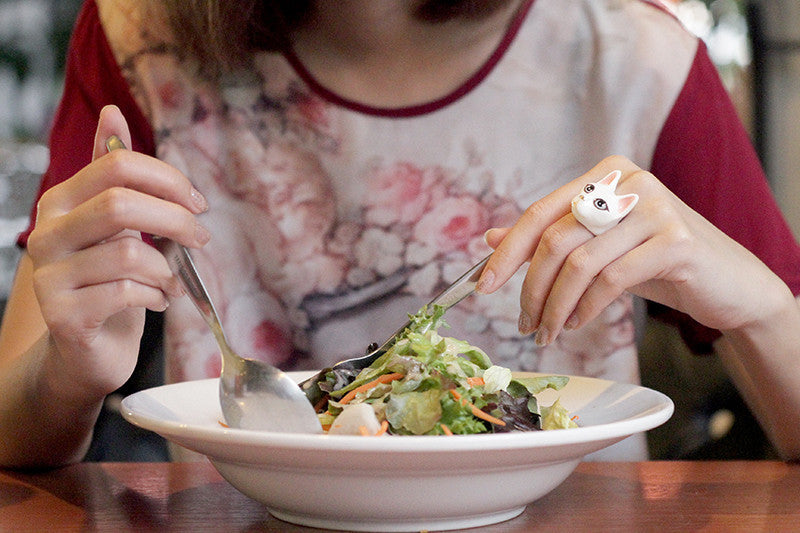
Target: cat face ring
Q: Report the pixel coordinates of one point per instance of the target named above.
(599, 208)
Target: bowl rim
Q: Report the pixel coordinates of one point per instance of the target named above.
(661, 409)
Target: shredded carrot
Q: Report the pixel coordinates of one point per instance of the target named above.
(574, 418)
(385, 378)
(321, 403)
(363, 431)
(326, 427)
(474, 382)
(446, 430)
(223, 424)
(477, 412)
(383, 428)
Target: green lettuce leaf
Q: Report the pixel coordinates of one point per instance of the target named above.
(557, 417)
(414, 412)
(534, 385)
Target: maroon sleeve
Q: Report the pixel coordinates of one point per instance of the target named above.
(705, 156)
(93, 79)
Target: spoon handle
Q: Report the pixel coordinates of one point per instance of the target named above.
(181, 263)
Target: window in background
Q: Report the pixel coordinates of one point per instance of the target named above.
(33, 40)
(723, 26)
(711, 421)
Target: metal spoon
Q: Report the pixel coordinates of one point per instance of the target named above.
(457, 291)
(252, 394)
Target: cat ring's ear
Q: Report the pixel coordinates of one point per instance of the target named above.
(625, 204)
(611, 179)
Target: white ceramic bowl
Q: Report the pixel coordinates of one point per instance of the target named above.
(398, 483)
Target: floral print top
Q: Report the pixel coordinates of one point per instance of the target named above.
(332, 220)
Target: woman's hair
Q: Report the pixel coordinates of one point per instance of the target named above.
(221, 34)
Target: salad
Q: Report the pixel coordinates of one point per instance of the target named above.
(427, 384)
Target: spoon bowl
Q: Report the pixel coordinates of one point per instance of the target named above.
(252, 394)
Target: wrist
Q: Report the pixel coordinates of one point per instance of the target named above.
(58, 387)
(777, 323)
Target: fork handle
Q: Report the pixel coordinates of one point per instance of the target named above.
(462, 287)
(457, 291)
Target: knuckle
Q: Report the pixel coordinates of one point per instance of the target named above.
(121, 289)
(57, 315)
(46, 200)
(679, 237)
(120, 294)
(612, 278)
(534, 214)
(534, 210)
(662, 212)
(641, 176)
(115, 204)
(645, 184)
(502, 256)
(553, 240)
(35, 245)
(117, 162)
(128, 252)
(577, 262)
(616, 161)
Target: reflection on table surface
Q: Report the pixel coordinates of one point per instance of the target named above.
(662, 495)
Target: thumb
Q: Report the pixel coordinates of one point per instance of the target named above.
(111, 122)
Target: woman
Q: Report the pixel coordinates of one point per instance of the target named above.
(334, 164)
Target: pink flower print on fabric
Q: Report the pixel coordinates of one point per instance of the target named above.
(453, 224)
(259, 327)
(399, 194)
(313, 111)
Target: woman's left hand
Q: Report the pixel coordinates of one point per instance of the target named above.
(662, 251)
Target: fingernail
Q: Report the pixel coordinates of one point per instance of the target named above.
(163, 307)
(524, 324)
(485, 282)
(542, 336)
(202, 235)
(199, 200)
(572, 322)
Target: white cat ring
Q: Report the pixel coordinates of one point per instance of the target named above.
(599, 208)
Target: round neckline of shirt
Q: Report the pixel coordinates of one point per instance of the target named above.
(418, 109)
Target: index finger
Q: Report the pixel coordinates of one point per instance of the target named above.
(520, 241)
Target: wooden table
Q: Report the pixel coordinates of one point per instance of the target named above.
(648, 496)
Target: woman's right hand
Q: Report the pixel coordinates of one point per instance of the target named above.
(93, 275)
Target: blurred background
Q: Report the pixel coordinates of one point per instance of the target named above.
(754, 43)
(33, 38)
